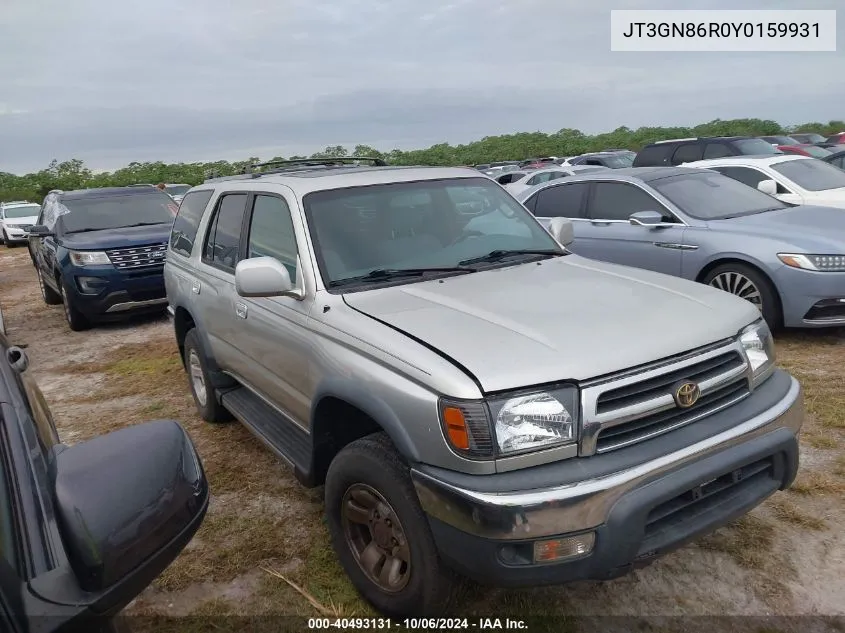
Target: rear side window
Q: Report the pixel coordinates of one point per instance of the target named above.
(653, 156)
(187, 221)
(224, 237)
(687, 153)
(716, 150)
(562, 201)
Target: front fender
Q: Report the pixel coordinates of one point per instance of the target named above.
(357, 395)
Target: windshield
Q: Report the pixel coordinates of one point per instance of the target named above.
(177, 190)
(425, 224)
(811, 174)
(96, 214)
(23, 211)
(712, 196)
(813, 138)
(781, 140)
(754, 146)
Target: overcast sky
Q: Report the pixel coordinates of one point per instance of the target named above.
(111, 81)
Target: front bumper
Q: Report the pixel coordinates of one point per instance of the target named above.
(637, 513)
(16, 236)
(810, 298)
(120, 294)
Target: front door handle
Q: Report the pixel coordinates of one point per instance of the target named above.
(195, 287)
(240, 310)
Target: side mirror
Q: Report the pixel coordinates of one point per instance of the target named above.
(646, 218)
(127, 503)
(562, 230)
(768, 186)
(263, 277)
(39, 230)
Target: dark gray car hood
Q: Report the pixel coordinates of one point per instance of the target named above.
(569, 318)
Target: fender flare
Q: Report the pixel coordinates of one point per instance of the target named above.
(352, 393)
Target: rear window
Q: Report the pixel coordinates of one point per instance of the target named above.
(187, 221)
(654, 155)
(114, 212)
(812, 174)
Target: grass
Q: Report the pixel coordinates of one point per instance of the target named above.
(749, 541)
(816, 483)
(789, 512)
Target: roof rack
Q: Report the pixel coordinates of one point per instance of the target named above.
(675, 140)
(293, 165)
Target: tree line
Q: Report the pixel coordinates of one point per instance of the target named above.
(73, 174)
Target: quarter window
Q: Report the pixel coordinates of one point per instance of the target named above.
(271, 232)
(224, 236)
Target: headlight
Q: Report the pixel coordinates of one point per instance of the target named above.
(759, 350)
(832, 263)
(89, 258)
(514, 423)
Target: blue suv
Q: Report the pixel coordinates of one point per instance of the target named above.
(100, 252)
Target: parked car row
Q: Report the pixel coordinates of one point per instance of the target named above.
(480, 382)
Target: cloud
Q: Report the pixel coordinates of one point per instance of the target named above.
(112, 82)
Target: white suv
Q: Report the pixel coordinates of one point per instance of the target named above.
(795, 179)
(16, 218)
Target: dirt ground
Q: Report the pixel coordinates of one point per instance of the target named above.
(263, 530)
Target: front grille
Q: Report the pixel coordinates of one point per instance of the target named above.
(650, 426)
(626, 410)
(682, 515)
(646, 390)
(138, 256)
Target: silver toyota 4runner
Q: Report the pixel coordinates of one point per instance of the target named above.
(473, 397)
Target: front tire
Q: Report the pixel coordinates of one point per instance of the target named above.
(381, 534)
(200, 382)
(750, 284)
(75, 319)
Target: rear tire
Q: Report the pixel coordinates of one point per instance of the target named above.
(200, 383)
(375, 520)
(748, 283)
(50, 296)
(75, 319)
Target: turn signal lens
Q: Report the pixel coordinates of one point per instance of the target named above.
(560, 548)
(456, 427)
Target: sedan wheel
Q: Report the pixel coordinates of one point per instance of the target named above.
(739, 285)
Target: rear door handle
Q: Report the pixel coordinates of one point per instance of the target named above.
(240, 310)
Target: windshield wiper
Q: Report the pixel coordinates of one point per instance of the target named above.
(387, 274)
(83, 231)
(499, 255)
(131, 226)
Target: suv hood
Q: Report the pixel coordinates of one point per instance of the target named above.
(569, 318)
(117, 238)
(806, 226)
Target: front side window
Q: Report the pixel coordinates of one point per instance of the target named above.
(755, 146)
(113, 212)
(546, 176)
(716, 150)
(427, 224)
(619, 200)
(187, 221)
(271, 232)
(224, 236)
(745, 175)
(711, 196)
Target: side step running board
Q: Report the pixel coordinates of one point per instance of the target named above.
(281, 435)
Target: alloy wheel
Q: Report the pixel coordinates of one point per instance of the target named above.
(197, 377)
(376, 538)
(739, 285)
